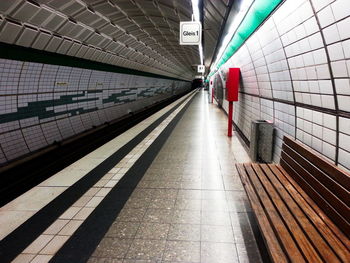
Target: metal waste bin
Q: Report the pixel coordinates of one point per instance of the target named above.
(261, 141)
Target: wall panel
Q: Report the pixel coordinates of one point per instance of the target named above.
(300, 59)
(41, 104)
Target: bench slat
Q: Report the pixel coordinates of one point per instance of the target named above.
(335, 229)
(292, 202)
(277, 223)
(299, 176)
(339, 175)
(304, 203)
(314, 178)
(326, 180)
(290, 222)
(335, 238)
(271, 241)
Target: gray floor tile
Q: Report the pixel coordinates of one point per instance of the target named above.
(158, 215)
(166, 184)
(213, 195)
(186, 217)
(218, 253)
(215, 218)
(248, 253)
(140, 261)
(112, 248)
(165, 193)
(146, 249)
(182, 251)
(184, 232)
(213, 233)
(153, 231)
(131, 214)
(104, 260)
(188, 204)
(215, 205)
(137, 202)
(120, 229)
(161, 203)
(142, 193)
(189, 194)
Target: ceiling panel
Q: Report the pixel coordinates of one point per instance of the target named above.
(145, 31)
(214, 12)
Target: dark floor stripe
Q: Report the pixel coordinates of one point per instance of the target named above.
(84, 241)
(13, 244)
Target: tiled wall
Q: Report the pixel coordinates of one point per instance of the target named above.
(41, 104)
(296, 66)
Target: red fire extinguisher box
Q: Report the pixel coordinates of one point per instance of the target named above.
(232, 84)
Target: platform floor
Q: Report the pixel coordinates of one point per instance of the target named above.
(164, 191)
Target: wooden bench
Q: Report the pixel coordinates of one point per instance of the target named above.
(301, 205)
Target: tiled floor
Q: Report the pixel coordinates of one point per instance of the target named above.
(16, 213)
(190, 205)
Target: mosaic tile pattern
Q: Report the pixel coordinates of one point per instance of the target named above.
(41, 103)
(297, 67)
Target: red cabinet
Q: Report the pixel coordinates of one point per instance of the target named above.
(232, 84)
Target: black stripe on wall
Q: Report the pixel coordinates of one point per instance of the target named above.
(14, 52)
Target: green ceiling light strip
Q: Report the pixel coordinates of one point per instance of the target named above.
(256, 15)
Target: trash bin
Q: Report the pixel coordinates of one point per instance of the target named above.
(261, 141)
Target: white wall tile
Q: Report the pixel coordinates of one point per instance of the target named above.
(331, 34)
(344, 141)
(344, 158)
(329, 136)
(343, 28)
(328, 150)
(341, 9)
(339, 69)
(326, 17)
(316, 144)
(335, 51)
(329, 121)
(344, 103)
(319, 4)
(344, 125)
(328, 102)
(342, 86)
(320, 56)
(323, 72)
(326, 86)
(346, 48)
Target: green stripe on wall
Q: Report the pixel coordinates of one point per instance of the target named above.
(14, 52)
(256, 15)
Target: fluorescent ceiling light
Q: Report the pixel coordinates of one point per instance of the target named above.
(196, 14)
(245, 5)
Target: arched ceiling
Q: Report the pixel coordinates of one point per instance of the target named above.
(138, 34)
(216, 13)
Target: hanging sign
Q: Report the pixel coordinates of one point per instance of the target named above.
(200, 68)
(190, 33)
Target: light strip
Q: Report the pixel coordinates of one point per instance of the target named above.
(196, 14)
(245, 5)
(255, 15)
